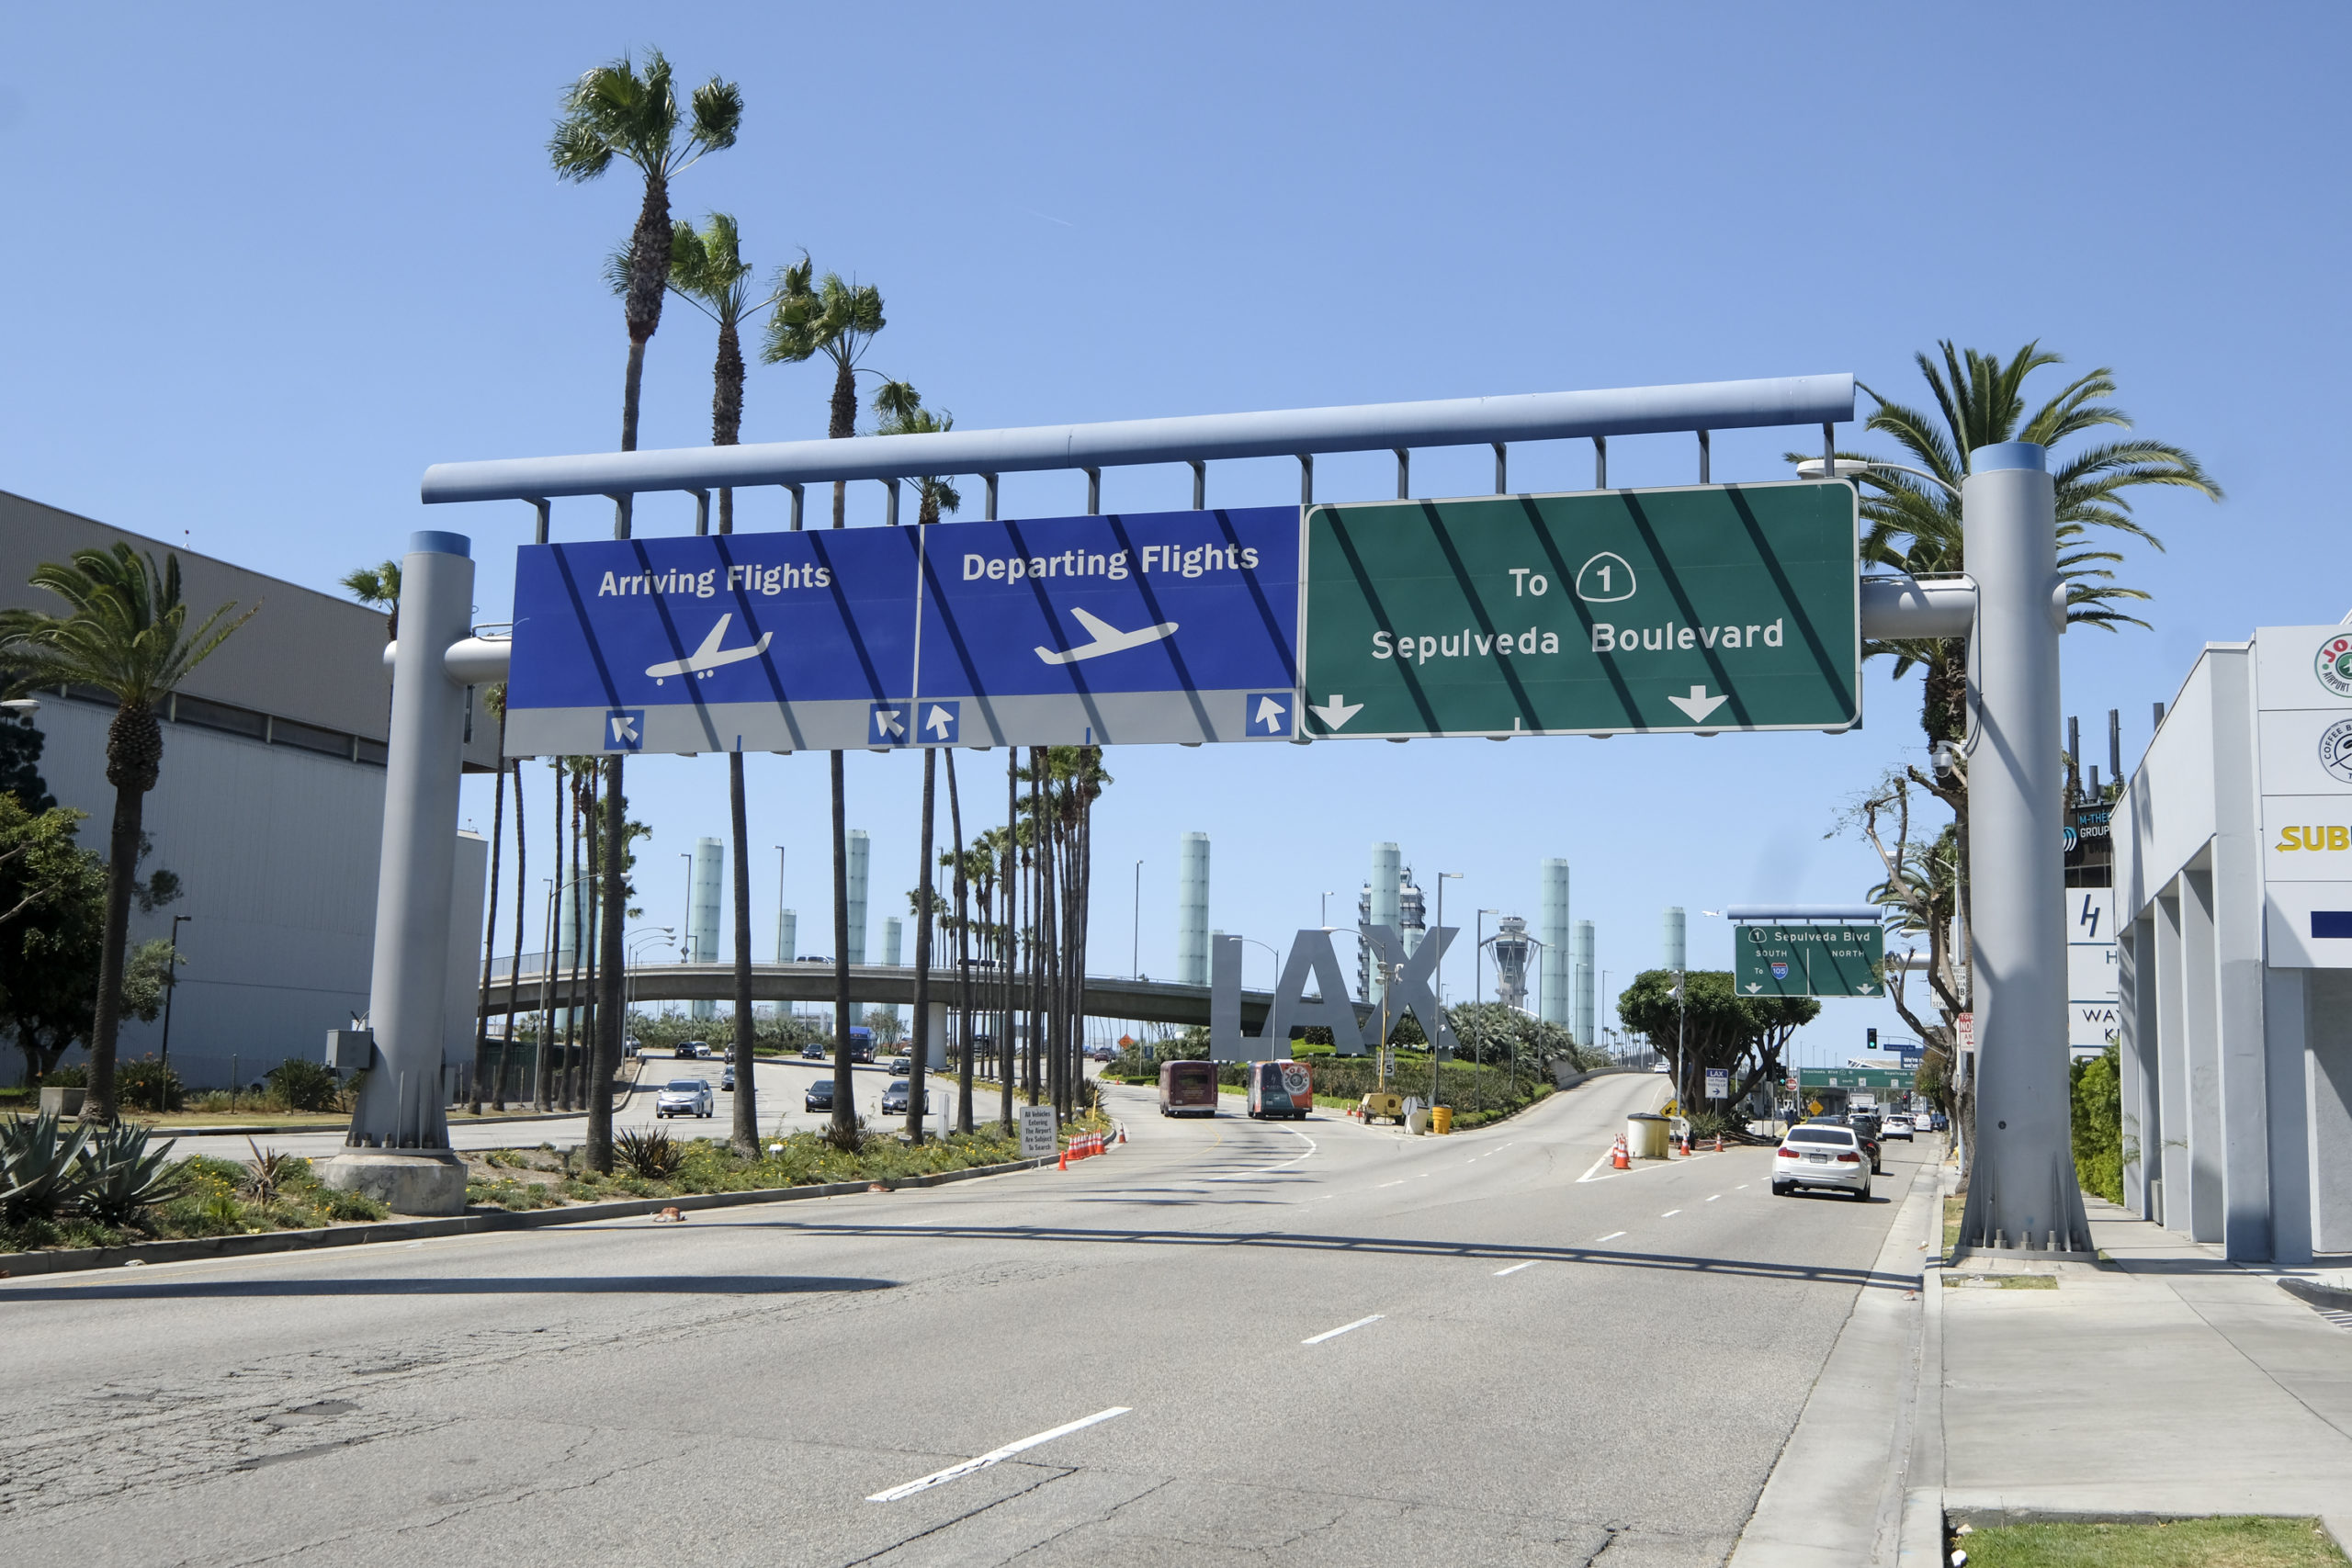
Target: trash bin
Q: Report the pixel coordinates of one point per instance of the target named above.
(1645, 1135)
(1441, 1118)
(1416, 1121)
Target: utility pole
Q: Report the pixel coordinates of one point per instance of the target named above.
(171, 987)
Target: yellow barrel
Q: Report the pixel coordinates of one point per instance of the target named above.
(1441, 1118)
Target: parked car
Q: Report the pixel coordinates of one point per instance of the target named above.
(1895, 1127)
(683, 1097)
(727, 1079)
(1659, 1066)
(1821, 1155)
(894, 1098)
(819, 1095)
(692, 1051)
(902, 1064)
(813, 1052)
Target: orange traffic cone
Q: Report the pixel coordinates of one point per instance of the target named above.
(1619, 1158)
(1719, 1143)
(1064, 1160)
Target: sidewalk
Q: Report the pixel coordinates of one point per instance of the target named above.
(2167, 1383)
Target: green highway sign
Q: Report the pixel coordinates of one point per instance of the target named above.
(1708, 608)
(1770, 960)
(1853, 1077)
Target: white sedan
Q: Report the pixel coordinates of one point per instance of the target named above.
(683, 1097)
(1895, 1127)
(1821, 1154)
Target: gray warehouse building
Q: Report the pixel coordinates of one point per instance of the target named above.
(269, 808)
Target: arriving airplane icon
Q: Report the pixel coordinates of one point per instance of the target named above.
(1108, 638)
(707, 658)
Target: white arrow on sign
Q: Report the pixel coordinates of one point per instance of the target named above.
(891, 721)
(1269, 713)
(1337, 711)
(1697, 704)
(937, 722)
(1753, 987)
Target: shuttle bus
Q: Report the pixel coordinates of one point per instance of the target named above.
(1188, 1088)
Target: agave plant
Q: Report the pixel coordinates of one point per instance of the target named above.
(267, 1173)
(122, 1177)
(40, 1175)
(655, 1155)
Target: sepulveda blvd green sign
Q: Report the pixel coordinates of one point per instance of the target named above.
(1808, 961)
(1602, 612)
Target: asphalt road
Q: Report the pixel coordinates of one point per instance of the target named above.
(1317, 1340)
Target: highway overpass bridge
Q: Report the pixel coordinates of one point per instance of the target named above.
(870, 985)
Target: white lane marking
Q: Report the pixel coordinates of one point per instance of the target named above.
(1251, 1175)
(1398, 1183)
(1335, 1333)
(1670, 1213)
(1612, 1236)
(994, 1456)
(1741, 1188)
(1517, 1266)
(1711, 1197)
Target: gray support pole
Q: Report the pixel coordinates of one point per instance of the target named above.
(702, 512)
(992, 484)
(401, 1106)
(1094, 492)
(1829, 445)
(1307, 478)
(1703, 455)
(797, 499)
(1600, 462)
(2023, 1192)
(1502, 468)
(890, 503)
(1404, 473)
(543, 509)
(1199, 485)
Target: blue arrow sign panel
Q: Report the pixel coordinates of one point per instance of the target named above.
(773, 642)
(1151, 626)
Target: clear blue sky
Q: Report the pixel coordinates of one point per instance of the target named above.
(271, 261)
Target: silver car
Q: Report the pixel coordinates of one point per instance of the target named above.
(1895, 1127)
(683, 1097)
(1825, 1155)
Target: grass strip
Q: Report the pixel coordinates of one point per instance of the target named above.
(2242, 1541)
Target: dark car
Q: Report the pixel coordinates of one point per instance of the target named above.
(1865, 1126)
(727, 1078)
(819, 1095)
(894, 1098)
(813, 1052)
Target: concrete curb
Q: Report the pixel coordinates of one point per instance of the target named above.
(1920, 1543)
(72, 1260)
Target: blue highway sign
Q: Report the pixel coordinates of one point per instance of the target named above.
(1168, 626)
(1075, 631)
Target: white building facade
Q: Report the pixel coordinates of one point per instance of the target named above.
(2234, 891)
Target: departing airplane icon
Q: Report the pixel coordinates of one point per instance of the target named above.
(1108, 638)
(703, 661)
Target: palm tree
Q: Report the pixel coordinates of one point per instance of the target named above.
(707, 269)
(1914, 524)
(903, 414)
(838, 320)
(127, 633)
(615, 111)
(379, 586)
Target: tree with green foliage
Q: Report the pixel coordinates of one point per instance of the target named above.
(2097, 1092)
(1716, 1027)
(20, 748)
(377, 585)
(835, 320)
(616, 111)
(125, 632)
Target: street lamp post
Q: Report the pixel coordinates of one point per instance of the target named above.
(1323, 909)
(1437, 1025)
(171, 986)
(689, 919)
(1135, 939)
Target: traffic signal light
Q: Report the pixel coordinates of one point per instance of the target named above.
(1872, 1035)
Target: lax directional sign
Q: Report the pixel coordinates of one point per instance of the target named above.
(1808, 961)
(1165, 627)
(1609, 612)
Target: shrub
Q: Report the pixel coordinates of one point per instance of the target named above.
(2097, 1083)
(42, 1173)
(123, 1179)
(149, 1085)
(268, 1172)
(305, 1085)
(654, 1155)
(74, 1075)
(355, 1206)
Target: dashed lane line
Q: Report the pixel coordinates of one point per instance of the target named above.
(1517, 1266)
(994, 1456)
(1344, 1329)
(1670, 1213)
(1612, 1236)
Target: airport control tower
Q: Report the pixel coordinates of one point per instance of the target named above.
(1512, 949)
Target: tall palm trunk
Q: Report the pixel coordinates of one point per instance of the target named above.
(134, 758)
(919, 1079)
(572, 992)
(543, 1059)
(747, 1111)
(490, 939)
(515, 968)
(844, 1130)
(963, 960)
(1008, 943)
